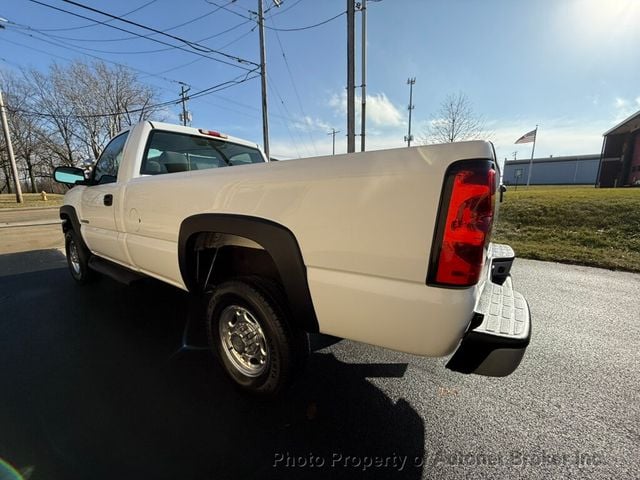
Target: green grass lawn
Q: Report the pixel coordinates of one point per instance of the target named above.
(599, 227)
(31, 200)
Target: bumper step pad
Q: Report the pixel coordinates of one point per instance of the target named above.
(505, 311)
(502, 258)
(499, 333)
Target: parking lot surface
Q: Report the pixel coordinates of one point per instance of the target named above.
(96, 382)
(23, 230)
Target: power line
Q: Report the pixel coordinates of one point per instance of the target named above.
(193, 45)
(308, 27)
(169, 80)
(282, 119)
(286, 124)
(121, 52)
(293, 29)
(225, 8)
(122, 39)
(274, 89)
(293, 84)
(75, 49)
(93, 24)
(145, 73)
(225, 85)
(237, 39)
(195, 51)
(206, 91)
(283, 10)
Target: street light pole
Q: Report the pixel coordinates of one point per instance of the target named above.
(12, 159)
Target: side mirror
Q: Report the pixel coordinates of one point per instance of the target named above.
(68, 175)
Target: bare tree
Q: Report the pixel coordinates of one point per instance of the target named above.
(5, 169)
(103, 99)
(455, 121)
(47, 101)
(68, 114)
(26, 129)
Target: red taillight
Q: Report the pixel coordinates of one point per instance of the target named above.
(458, 256)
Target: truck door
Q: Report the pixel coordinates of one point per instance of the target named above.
(99, 203)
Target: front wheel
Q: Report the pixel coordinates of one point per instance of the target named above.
(249, 331)
(77, 258)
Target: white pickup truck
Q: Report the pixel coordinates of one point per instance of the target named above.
(390, 248)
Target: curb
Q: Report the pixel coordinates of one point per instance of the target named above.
(40, 223)
(28, 209)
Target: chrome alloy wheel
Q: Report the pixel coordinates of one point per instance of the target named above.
(243, 341)
(74, 258)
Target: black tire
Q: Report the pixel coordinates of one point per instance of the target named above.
(78, 258)
(276, 349)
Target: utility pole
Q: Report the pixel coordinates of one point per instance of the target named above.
(363, 10)
(351, 74)
(12, 159)
(263, 75)
(411, 82)
(186, 115)
(333, 133)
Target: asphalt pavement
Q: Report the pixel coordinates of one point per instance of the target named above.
(105, 381)
(28, 229)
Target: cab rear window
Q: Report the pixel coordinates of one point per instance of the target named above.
(171, 152)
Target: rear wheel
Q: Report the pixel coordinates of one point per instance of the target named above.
(77, 258)
(251, 333)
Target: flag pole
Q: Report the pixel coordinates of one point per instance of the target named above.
(535, 137)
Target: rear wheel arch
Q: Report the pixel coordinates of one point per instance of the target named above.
(276, 240)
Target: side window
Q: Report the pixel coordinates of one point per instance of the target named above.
(106, 169)
(170, 152)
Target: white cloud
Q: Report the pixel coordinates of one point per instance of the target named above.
(621, 103)
(381, 112)
(376, 140)
(624, 108)
(309, 124)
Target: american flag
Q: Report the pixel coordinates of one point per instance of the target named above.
(528, 137)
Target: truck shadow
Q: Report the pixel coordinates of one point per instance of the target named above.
(95, 385)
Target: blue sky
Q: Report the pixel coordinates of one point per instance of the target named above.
(570, 66)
